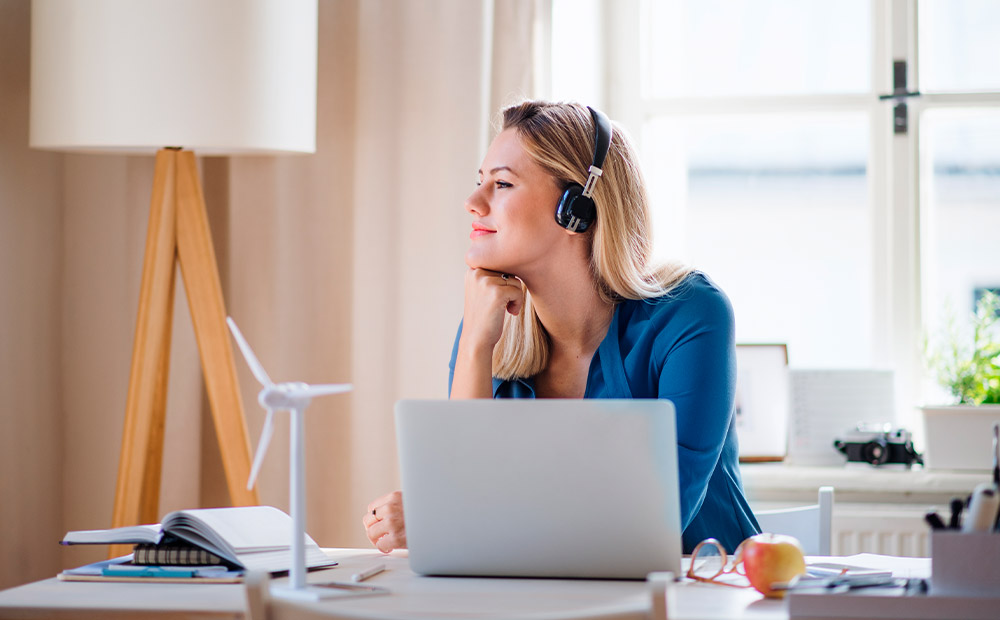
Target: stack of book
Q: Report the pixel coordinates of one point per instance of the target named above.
(209, 540)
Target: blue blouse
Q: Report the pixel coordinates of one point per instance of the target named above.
(680, 347)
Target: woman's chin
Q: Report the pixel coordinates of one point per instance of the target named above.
(475, 261)
(481, 260)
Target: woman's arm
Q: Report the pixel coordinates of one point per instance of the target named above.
(489, 296)
(699, 376)
(472, 375)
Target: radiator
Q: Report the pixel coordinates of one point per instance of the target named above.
(873, 528)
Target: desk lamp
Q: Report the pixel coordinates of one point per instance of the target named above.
(223, 77)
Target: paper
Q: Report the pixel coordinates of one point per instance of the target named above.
(903, 568)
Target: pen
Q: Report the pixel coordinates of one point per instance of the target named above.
(365, 574)
(934, 521)
(996, 454)
(956, 513)
(839, 584)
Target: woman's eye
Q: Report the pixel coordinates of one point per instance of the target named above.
(503, 184)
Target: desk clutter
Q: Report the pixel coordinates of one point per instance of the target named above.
(961, 581)
(964, 580)
(964, 553)
(198, 543)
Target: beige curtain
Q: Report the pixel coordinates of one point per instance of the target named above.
(345, 265)
(351, 266)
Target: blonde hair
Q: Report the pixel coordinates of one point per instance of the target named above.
(560, 138)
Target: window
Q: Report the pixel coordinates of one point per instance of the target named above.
(958, 45)
(774, 208)
(775, 166)
(711, 48)
(959, 150)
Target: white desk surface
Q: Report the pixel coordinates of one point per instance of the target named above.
(411, 596)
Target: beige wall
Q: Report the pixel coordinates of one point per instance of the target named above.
(31, 238)
(345, 265)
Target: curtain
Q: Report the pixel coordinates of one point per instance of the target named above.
(362, 245)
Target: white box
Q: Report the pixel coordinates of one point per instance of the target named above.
(965, 564)
(959, 437)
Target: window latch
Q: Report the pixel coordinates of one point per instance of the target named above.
(899, 95)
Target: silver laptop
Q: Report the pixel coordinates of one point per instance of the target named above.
(540, 488)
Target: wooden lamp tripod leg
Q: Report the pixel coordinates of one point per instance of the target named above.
(204, 291)
(178, 229)
(138, 487)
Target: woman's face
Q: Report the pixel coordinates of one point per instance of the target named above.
(513, 226)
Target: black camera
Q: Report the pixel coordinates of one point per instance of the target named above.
(881, 445)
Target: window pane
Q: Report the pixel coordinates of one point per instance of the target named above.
(959, 46)
(764, 47)
(961, 248)
(775, 210)
(576, 31)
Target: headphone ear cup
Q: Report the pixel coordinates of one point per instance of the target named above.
(575, 212)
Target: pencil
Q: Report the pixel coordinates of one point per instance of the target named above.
(365, 574)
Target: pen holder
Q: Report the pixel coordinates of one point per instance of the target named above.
(965, 564)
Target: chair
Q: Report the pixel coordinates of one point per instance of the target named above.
(812, 525)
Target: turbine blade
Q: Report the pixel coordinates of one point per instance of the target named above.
(322, 390)
(265, 439)
(255, 367)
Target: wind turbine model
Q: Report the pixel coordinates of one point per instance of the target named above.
(293, 397)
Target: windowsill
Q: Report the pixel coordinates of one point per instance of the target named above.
(856, 482)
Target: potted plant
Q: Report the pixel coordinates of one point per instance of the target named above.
(967, 364)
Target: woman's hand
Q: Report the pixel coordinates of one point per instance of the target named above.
(384, 522)
(489, 296)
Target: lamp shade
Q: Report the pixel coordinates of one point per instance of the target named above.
(215, 76)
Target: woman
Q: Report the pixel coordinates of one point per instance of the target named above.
(562, 309)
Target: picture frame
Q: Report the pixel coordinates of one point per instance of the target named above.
(762, 407)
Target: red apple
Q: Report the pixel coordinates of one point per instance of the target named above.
(772, 558)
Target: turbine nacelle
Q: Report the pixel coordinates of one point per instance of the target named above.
(284, 396)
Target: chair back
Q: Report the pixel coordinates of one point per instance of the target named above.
(811, 525)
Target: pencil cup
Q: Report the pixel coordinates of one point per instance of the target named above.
(965, 564)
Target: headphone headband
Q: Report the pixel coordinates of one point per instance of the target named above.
(576, 210)
(602, 137)
(602, 144)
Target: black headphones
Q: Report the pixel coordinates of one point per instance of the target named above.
(576, 210)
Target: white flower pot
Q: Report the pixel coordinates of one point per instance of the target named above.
(959, 437)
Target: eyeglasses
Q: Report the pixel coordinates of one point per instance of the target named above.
(709, 563)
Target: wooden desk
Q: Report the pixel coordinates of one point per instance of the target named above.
(411, 596)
